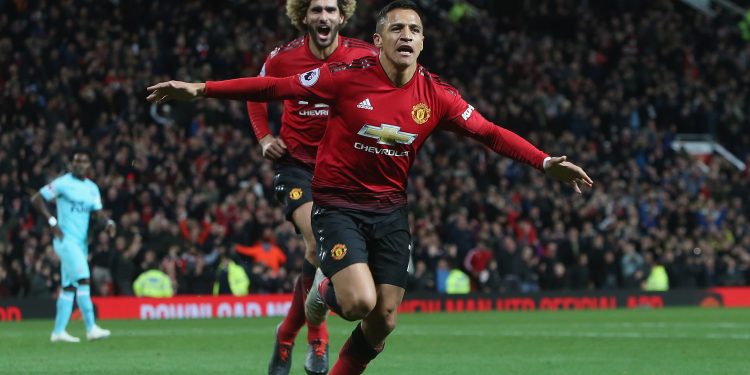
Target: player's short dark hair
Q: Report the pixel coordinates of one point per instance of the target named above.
(397, 4)
(82, 151)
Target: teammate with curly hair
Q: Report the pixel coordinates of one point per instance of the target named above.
(294, 151)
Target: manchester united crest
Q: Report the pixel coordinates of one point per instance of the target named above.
(295, 194)
(420, 113)
(338, 251)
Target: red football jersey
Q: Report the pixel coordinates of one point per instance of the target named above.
(375, 128)
(303, 121)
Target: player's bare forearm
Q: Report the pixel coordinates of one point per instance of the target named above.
(38, 202)
(40, 206)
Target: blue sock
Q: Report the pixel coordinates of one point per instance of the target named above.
(64, 309)
(83, 297)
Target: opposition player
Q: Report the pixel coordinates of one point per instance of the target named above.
(76, 198)
(294, 150)
(382, 111)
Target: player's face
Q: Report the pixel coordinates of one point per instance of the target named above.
(400, 38)
(81, 165)
(323, 21)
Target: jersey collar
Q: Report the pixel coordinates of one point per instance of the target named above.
(384, 76)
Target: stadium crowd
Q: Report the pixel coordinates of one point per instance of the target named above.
(608, 84)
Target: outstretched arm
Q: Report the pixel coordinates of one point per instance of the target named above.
(465, 120)
(316, 84)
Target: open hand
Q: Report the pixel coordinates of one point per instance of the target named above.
(567, 172)
(174, 90)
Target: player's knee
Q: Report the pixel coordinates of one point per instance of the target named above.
(389, 326)
(387, 319)
(359, 307)
(69, 289)
(83, 282)
(390, 322)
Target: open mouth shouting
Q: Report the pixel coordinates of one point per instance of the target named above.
(405, 50)
(323, 33)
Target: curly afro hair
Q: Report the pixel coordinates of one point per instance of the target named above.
(297, 9)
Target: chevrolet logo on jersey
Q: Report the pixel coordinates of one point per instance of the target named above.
(387, 134)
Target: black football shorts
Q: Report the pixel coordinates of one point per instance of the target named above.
(292, 187)
(345, 237)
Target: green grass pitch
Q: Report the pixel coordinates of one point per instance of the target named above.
(668, 341)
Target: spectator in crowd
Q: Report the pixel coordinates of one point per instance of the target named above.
(457, 282)
(633, 267)
(231, 278)
(489, 279)
(657, 279)
(441, 275)
(40, 284)
(611, 275)
(153, 283)
(265, 251)
(579, 273)
(476, 263)
(528, 271)
(6, 287)
(422, 279)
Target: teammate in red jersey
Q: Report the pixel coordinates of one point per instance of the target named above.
(302, 126)
(382, 110)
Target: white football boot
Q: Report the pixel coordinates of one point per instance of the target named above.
(63, 337)
(97, 333)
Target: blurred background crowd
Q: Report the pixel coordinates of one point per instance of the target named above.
(608, 83)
